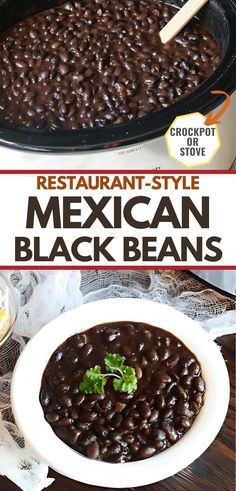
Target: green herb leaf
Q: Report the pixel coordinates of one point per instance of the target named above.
(128, 382)
(125, 379)
(114, 363)
(93, 381)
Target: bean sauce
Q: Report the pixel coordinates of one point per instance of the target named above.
(116, 426)
(98, 62)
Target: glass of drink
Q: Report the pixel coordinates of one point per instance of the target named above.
(8, 309)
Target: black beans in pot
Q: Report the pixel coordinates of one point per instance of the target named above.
(89, 63)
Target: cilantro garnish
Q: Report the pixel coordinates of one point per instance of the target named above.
(128, 381)
(93, 381)
(114, 363)
(125, 379)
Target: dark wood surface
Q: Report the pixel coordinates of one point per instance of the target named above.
(213, 471)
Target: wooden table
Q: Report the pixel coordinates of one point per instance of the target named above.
(214, 470)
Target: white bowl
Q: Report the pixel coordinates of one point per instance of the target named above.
(30, 418)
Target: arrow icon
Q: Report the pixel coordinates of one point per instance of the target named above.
(214, 119)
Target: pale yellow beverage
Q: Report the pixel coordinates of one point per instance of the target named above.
(5, 324)
(8, 309)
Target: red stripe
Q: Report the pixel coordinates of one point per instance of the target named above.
(117, 171)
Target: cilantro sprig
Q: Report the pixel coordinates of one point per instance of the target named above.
(93, 381)
(114, 363)
(125, 379)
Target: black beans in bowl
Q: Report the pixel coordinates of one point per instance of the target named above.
(117, 426)
(92, 63)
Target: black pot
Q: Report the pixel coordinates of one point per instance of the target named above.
(219, 14)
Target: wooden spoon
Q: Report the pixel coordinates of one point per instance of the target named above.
(183, 16)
